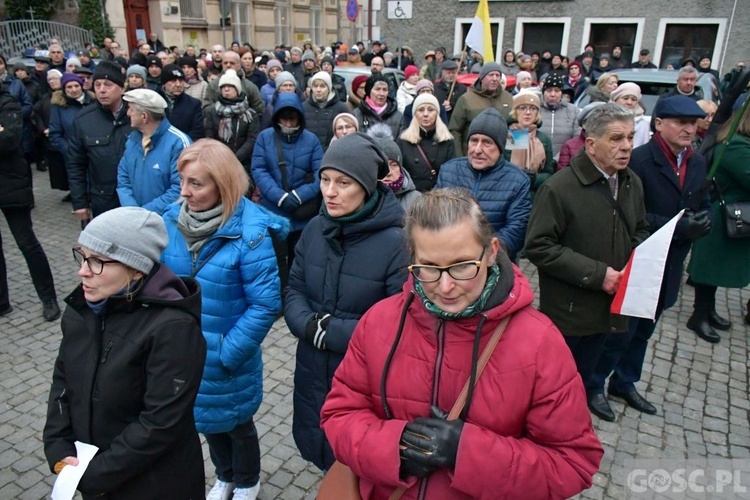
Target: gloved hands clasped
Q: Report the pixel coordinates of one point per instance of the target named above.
(290, 202)
(428, 444)
(693, 225)
(316, 330)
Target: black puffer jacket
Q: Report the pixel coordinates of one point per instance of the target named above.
(94, 151)
(423, 175)
(244, 133)
(319, 118)
(15, 176)
(329, 275)
(126, 382)
(391, 116)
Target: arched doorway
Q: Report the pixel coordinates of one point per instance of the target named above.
(137, 22)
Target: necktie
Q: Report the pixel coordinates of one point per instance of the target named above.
(613, 186)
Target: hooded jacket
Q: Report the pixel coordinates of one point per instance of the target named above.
(469, 105)
(341, 270)
(95, 147)
(63, 111)
(126, 382)
(502, 191)
(151, 180)
(302, 155)
(527, 433)
(238, 274)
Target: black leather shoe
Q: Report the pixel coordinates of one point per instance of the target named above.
(51, 310)
(6, 310)
(599, 406)
(718, 322)
(635, 400)
(703, 329)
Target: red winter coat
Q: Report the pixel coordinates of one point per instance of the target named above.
(528, 433)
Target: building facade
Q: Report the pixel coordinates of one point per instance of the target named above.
(670, 30)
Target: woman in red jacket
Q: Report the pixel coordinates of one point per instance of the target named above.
(524, 430)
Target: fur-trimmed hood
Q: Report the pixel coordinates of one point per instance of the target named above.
(60, 99)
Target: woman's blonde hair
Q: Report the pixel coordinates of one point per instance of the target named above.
(411, 134)
(602, 81)
(442, 208)
(224, 169)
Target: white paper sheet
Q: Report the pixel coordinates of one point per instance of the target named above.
(67, 481)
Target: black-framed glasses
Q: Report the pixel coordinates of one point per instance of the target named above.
(461, 271)
(96, 265)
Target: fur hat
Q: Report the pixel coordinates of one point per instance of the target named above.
(230, 78)
(133, 236)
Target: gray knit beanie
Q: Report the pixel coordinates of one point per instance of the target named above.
(488, 68)
(384, 138)
(285, 76)
(309, 55)
(358, 156)
(492, 124)
(133, 236)
(136, 69)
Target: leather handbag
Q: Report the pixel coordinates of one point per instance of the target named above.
(308, 209)
(736, 216)
(341, 483)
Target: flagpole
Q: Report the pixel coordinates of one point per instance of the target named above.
(460, 65)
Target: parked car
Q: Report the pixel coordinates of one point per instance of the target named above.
(393, 75)
(655, 82)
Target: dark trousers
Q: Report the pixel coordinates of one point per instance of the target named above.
(236, 455)
(623, 354)
(19, 222)
(705, 298)
(586, 351)
(285, 257)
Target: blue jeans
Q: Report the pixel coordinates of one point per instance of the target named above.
(586, 351)
(624, 354)
(236, 455)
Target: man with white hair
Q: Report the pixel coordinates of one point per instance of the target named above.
(231, 60)
(687, 78)
(147, 174)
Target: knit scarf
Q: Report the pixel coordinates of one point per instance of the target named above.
(531, 158)
(196, 227)
(377, 109)
(476, 307)
(573, 81)
(397, 184)
(193, 80)
(680, 170)
(358, 215)
(228, 109)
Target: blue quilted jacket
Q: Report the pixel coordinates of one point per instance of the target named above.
(502, 192)
(302, 153)
(241, 298)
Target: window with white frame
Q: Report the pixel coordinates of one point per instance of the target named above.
(281, 23)
(462, 26)
(316, 22)
(682, 38)
(241, 11)
(603, 33)
(540, 34)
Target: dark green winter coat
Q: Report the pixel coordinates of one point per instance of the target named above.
(718, 260)
(573, 235)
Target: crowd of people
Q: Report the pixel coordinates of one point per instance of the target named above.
(221, 189)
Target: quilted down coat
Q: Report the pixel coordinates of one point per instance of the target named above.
(240, 287)
(527, 433)
(503, 193)
(302, 153)
(319, 117)
(62, 112)
(341, 270)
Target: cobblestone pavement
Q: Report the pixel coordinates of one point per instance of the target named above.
(700, 389)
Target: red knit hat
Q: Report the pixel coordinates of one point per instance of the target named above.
(410, 71)
(357, 81)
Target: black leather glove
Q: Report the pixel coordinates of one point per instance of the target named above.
(315, 332)
(290, 203)
(413, 468)
(432, 442)
(692, 226)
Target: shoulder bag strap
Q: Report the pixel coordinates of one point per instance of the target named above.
(282, 163)
(424, 157)
(461, 401)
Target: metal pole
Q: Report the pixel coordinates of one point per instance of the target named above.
(400, 48)
(369, 20)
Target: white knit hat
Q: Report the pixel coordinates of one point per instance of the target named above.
(323, 77)
(230, 78)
